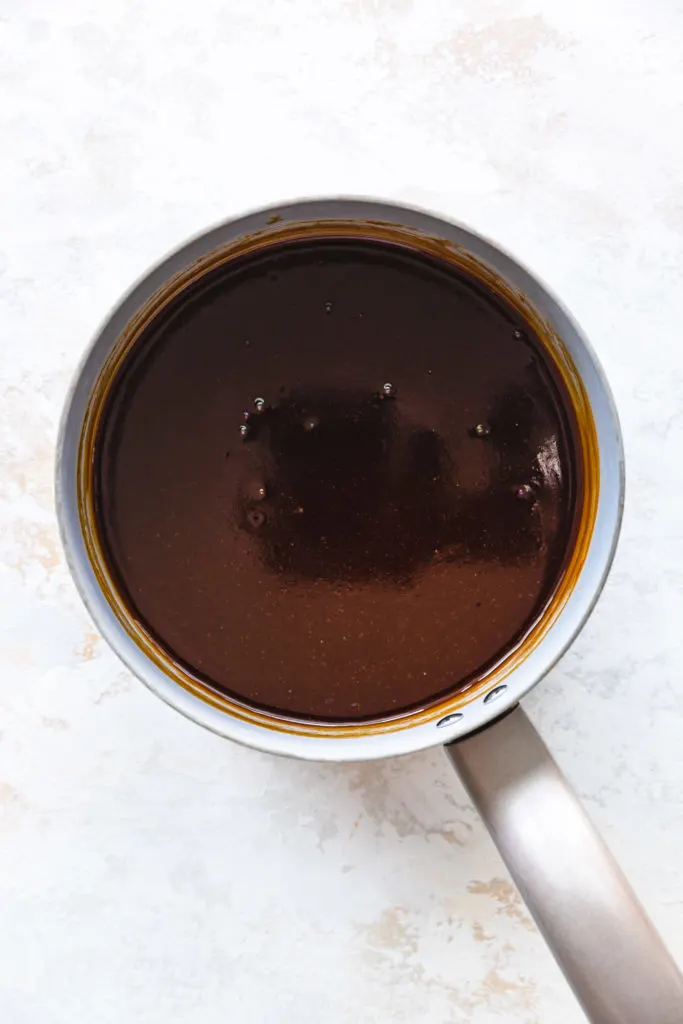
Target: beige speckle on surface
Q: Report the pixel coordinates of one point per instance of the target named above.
(8, 795)
(151, 872)
(506, 48)
(506, 897)
(390, 932)
(88, 647)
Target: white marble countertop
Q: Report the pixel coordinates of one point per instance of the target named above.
(149, 871)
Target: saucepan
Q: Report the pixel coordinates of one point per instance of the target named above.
(598, 931)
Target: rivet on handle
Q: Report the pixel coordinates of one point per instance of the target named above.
(495, 694)
(449, 719)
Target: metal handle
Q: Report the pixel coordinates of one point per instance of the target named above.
(599, 933)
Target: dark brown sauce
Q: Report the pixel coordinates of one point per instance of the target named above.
(337, 479)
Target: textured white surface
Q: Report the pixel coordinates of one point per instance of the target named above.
(151, 872)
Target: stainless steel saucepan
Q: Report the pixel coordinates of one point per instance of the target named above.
(598, 931)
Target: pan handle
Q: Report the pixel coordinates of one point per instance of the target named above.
(613, 958)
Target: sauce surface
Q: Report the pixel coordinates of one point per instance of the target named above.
(337, 479)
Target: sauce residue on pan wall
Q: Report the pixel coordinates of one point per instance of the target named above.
(337, 479)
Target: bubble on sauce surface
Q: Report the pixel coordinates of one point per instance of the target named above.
(257, 490)
(256, 517)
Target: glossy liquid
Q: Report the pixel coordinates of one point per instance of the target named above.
(337, 479)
